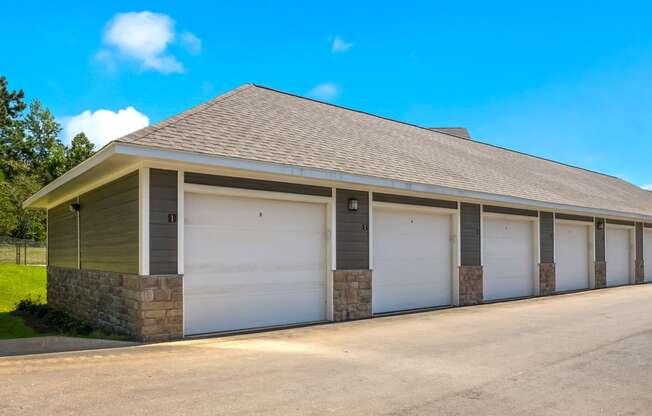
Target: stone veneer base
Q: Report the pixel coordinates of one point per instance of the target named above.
(351, 295)
(547, 279)
(471, 290)
(147, 308)
(600, 274)
(639, 271)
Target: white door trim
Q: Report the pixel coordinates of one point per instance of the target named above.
(143, 220)
(419, 208)
(247, 193)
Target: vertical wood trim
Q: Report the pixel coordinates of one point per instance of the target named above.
(632, 255)
(330, 236)
(481, 237)
(538, 234)
(554, 243)
(371, 231)
(143, 215)
(457, 253)
(180, 222)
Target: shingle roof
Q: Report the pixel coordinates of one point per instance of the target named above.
(261, 124)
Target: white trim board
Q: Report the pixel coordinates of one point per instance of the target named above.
(143, 221)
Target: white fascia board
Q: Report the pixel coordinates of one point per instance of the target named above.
(335, 176)
(86, 165)
(181, 156)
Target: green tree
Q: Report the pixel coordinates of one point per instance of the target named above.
(12, 103)
(80, 149)
(42, 150)
(12, 106)
(31, 156)
(16, 221)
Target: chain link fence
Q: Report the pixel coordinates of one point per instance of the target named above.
(19, 251)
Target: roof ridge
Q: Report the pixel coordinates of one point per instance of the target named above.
(170, 121)
(474, 140)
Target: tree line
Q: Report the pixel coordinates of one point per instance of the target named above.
(31, 156)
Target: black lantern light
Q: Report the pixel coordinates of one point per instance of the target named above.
(353, 204)
(600, 224)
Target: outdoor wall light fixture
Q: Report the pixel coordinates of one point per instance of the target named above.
(353, 204)
(74, 207)
(600, 224)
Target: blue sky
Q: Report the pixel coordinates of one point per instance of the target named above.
(570, 82)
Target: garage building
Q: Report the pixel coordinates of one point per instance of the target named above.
(262, 209)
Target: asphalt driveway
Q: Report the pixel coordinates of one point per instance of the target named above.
(581, 354)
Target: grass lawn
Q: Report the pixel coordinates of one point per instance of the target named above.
(18, 282)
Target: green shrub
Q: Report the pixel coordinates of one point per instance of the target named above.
(54, 320)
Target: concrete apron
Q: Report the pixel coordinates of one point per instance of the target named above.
(50, 344)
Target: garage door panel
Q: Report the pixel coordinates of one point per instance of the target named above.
(252, 262)
(618, 256)
(508, 258)
(412, 259)
(223, 311)
(572, 256)
(647, 254)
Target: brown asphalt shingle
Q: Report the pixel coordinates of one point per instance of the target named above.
(257, 123)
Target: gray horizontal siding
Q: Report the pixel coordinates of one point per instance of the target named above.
(599, 240)
(572, 217)
(352, 230)
(162, 233)
(256, 184)
(639, 241)
(547, 237)
(410, 200)
(109, 226)
(62, 236)
(509, 211)
(470, 238)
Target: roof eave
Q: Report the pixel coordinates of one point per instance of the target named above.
(152, 152)
(78, 170)
(182, 156)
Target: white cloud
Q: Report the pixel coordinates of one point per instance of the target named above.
(191, 42)
(102, 126)
(326, 91)
(340, 45)
(144, 37)
(647, 186)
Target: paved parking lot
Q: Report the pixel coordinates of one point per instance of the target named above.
(580, 354)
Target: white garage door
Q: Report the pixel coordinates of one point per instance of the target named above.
(412, 259)
(252, 263)
(508, 258)
(571, 256)
(647, 254)
(617, 256)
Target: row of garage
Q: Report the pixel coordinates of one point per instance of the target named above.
(259, 259)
